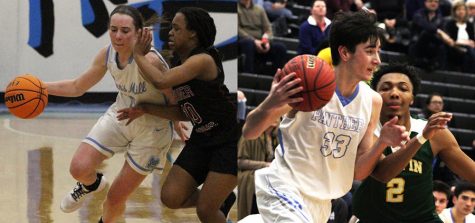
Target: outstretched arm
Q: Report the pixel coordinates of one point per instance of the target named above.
(200, 66)
(368, 152)
(390, 166)
(274, 105)
(170, 112)
(445, 145)
(78, 86)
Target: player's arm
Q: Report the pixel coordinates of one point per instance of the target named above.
(393, 164)
(445, 145)
(78, 86)
(368, 152)
(200, 66)
(171, 112)
(274, 105)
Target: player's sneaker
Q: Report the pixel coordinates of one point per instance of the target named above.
(74, 199)
(227, 204)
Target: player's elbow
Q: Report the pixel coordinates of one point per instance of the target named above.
(249, 134)
(160, 84)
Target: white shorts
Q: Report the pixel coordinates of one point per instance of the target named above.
(279, 201)
(145, 146)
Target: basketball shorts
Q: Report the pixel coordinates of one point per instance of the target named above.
(279, 201)
(145, 146)
(198, 161)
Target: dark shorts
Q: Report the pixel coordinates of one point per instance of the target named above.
(199, 161)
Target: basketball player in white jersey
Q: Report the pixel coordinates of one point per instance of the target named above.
(322, 152)
(145, 141)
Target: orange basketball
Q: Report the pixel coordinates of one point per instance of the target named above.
(318, 81)
(26, 96)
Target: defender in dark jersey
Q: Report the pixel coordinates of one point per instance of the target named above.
(210, 155)
(389, 194)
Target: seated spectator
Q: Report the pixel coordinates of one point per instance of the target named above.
(461, 57)
(471, 11)
(315, 30)
(464, 203)
(276, 9)
(334, 6)
(433, 104)
(441, 193)
(428, 47)
(253, 25)
(253, 155)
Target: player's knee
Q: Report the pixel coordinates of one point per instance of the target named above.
(205, 211)
(78, 169)
(169, 200)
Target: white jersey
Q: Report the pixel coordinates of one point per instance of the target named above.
(446, 217)
(318, 149)
(133, 88)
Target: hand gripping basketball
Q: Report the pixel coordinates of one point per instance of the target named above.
(318, 81)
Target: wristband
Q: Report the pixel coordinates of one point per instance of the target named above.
(420, 138)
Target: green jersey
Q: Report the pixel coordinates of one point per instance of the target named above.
(405, 198)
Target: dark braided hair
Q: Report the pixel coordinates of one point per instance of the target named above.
(202, 23)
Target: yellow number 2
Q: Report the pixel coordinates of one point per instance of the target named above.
(395, 192)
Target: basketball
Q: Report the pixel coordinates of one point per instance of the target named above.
(318, 81)
(26, 96)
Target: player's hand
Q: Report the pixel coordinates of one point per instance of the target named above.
(144, 42)
(393, 134)
(435, 123)
(130, 114)
(181, 129)
(283, 88)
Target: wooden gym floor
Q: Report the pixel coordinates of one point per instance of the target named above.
(34, 174)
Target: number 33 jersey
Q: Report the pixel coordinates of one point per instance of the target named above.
(317, 149)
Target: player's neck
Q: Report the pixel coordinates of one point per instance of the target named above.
(457, 217)
(346, 84)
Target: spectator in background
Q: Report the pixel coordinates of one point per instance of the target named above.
(464, 203)
(441, 192)
(276, 9)
(315, 30)
(412, 6)
(428, 48)
(390, 14)
(253, 25)
(461, 57)
(434, 103)
(253, 155)
(334, 6)
(471, 11)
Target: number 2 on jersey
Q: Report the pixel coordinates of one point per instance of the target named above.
(395, 191)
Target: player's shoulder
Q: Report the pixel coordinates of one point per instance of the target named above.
(417, 124)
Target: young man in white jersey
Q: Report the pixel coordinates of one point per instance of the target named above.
(464, 204)
(322, 152)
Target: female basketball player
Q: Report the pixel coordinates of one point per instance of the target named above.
(321, 152)
(210, 155)
(145, 142)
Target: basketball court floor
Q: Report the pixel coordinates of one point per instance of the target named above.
(34, 174)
